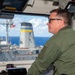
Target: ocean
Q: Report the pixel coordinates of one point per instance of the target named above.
(38, 40)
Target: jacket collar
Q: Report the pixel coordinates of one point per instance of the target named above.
(67, 27)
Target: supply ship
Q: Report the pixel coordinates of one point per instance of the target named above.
(22, 55)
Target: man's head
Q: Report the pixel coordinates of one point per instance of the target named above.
(58, 19)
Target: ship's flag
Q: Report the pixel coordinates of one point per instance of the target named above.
(12, 26)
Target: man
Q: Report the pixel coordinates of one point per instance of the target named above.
(60, 49)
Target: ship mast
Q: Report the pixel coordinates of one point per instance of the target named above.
(7, 31)
(7, 24)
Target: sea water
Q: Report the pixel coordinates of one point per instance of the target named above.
(38, 40)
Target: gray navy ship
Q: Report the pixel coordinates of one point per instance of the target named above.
(22, 55)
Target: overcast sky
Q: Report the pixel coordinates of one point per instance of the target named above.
(39, 25)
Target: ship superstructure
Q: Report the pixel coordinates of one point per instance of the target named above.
(26, 36)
